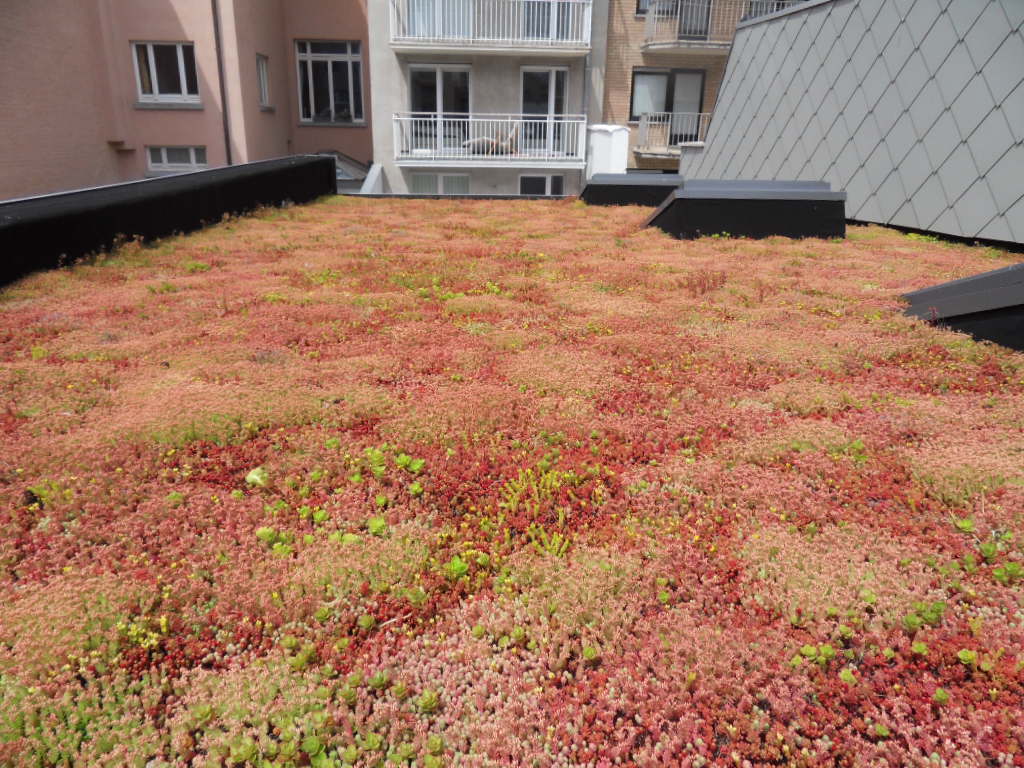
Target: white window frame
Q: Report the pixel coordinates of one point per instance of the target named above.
(551, 70)
(263, 79)
(547, 182)
(438, 70)
(439, 179)
(301, 56)
(167, 167)
(164, 98)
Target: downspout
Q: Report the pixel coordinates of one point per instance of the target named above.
(586, 86)
(220, 77)
(586, 119)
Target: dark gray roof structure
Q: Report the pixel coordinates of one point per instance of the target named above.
(914, 107)
(989, 306)
(629, 188)
(752, 208)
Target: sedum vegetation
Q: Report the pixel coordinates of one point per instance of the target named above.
(458, 483)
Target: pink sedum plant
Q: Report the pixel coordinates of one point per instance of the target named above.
(482, 484)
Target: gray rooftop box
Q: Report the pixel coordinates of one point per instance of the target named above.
(752, 208)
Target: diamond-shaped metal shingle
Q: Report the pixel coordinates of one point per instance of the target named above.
(1005, 70)
(906, 216)
(954, 73)
(912, 78)
(990, 142)
(975, 208)
(939, 41)
(1015, 220)
(941, 139)
(957, 173)
(914, 168)
(963, 15)
(997, 229)
(947, 223)
(987, 33)
(920, 19)
(1004, 178)
(1013, 109)
(972, 106)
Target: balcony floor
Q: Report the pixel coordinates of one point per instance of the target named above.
(489, 47)
(687, 46)
(483, 161)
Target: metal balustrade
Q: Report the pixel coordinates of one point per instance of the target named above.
(497, 24)
(490, 139)
(663, 132)
(702, 23)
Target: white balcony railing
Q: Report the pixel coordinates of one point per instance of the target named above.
(479, 139)
(662, 133)
(491, 24)
(703, 23)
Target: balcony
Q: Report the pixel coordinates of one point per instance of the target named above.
(702, 24)
(491, 26)
(489, 141)
(662, 134)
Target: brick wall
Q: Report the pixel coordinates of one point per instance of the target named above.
(625, 52)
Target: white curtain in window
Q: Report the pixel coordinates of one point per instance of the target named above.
(455, 185)
(424, 184)
(686, 96)
(649, 92)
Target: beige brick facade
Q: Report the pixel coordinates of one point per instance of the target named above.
(625, 53)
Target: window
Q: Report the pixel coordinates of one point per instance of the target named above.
(450, 184)
(542, 185)
(642, 7)
(263, 79)
(166, 73)
(330, 82)
(666, 90)
(176, 159)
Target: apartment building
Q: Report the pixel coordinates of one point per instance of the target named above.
(102, 91)
(485, 96)
(666, 60)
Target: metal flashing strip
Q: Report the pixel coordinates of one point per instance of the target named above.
(637, 179)
(752, 189)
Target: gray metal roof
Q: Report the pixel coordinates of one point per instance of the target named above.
(914, 107)
(988, 291)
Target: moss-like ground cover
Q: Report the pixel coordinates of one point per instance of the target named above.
(466, 483)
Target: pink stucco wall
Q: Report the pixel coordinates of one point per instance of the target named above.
(162, 21)
(70, 114)
(55, 113)
(319, 20)
(256, 27)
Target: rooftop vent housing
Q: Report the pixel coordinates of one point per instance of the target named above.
(752, 208)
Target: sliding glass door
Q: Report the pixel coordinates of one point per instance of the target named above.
(439, 100)
(687, 93)
(544, 95)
